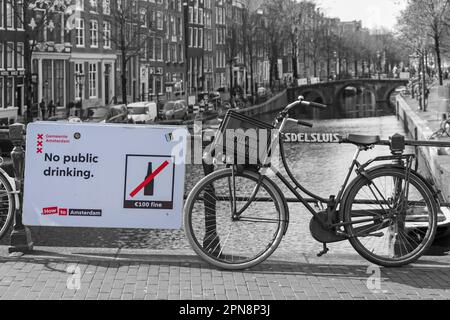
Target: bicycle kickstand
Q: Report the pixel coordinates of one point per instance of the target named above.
(324, 251)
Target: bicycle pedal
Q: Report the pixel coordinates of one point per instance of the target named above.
(324, 251)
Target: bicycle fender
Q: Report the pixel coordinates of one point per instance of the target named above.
(417, 174)
(277, 188)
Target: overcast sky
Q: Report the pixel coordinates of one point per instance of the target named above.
(373, 13)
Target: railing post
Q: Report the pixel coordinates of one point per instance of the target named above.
(20, 236)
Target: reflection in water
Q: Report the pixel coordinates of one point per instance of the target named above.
(358, 102)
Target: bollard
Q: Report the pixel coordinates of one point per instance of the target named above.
(20, 236)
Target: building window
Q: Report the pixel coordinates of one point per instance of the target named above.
(200, 38)
(79, 5)
(92, 80)
(191, 34)
(19, 21)
(1, 93)
(10, 55)
(159, 20)
(94, 5)
(180, 53)
(106, 7)
(158, 49)
(79, 78)
(47, 76)
(143, 17)
(19, 55)
(79, 33)
(9, 92)
(106, 34)
(9, 15)
(151, 49)
(191, 14)
(59, 83)
(1, 24)
(195, 37)
(2, 59)
(94, 33)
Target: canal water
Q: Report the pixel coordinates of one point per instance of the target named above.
(321, 168)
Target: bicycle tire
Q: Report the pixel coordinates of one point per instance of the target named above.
(7, 205)
(197, 232)
(407, 224)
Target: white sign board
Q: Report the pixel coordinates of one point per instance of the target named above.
(104, 176)
(315, 80)
(302, 81)
(191, 100)
(405, 75)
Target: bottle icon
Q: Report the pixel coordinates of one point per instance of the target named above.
(149, 188)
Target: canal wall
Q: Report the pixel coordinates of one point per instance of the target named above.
(437, 160)
(275, 103)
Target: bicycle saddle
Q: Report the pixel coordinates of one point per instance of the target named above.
(361, 140)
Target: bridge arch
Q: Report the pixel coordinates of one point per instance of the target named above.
(391, 90)
(313, 95)
(358, 85)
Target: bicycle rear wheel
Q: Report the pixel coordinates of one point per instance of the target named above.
(391, 220)
(7, 205)
(229, 230)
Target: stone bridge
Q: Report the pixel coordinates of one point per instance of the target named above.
(332, 93)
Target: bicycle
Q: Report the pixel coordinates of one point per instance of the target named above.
(236, 217)
(444, 130)
(8, 201)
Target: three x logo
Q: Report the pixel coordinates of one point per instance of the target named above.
(39, 144)
(40, 137)
(39, 150)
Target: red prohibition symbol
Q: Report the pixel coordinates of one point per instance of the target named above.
(149, 179)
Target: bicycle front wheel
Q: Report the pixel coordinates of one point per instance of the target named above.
(391, 219)
(7, 205)
(234, 221)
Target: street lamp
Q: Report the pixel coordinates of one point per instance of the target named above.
(379, 64)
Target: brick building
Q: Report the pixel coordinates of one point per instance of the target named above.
(50, 62)
(220, 33)
(195, 45)
(11, 64)
(93, 58)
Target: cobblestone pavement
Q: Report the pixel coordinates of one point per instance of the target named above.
(82, 273)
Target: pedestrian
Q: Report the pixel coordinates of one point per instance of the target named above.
(42, 107)
(78, 108)
(51, 109)
(29, 114)
(69, 107)
(426, 95)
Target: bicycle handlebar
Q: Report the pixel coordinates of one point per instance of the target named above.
(302, 102)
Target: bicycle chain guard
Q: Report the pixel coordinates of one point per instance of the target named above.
(320, 234)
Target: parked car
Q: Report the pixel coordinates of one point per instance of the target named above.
(173, 110)
(113, 114)
(98, 114)
(118, 114)
(142, 112)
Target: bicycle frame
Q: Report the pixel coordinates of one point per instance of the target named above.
(333, 201)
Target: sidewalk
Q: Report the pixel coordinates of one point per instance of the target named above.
(433, 115)
(83, 273)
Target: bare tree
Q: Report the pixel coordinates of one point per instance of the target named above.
(274, 29)
(431, 16)
(131, 25)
